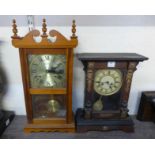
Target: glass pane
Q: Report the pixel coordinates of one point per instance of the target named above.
(47, 71)
(48, 106)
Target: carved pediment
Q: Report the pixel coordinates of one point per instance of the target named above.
(34, 39)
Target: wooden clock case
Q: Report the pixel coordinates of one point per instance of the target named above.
(115, 112)
(27, 45)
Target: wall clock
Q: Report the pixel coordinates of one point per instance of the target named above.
(108, 79)
(46, 65)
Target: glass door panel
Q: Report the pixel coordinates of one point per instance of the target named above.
(49, 106)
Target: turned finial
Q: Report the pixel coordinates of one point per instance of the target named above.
(73, 30)
(44, 29)
(14, 29)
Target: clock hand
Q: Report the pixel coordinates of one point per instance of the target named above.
(110, 86)
(57, 69)
(53, 70)
(106, 82)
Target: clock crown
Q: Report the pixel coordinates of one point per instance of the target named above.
(33, 39)
(44, 29)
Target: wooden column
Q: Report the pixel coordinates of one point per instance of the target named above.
(89, 86)
(126, 89)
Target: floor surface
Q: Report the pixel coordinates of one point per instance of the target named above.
(143, 130)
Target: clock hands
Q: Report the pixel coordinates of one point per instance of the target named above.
(48, 71)
(56, 74)
(55, 71)
(107, 83)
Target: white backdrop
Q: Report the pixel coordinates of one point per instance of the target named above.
(134, 39)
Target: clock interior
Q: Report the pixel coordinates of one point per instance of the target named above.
(102, 103)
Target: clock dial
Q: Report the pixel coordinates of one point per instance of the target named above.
(107, 81)
(47, 71)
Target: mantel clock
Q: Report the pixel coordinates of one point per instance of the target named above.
(108, 79)
(46, 65)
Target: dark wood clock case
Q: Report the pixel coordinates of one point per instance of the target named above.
(115, 112)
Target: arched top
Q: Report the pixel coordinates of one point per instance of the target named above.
(34, 39)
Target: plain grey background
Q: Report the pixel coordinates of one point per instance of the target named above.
(82, 20)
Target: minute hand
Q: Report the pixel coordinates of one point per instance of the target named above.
(55, 71)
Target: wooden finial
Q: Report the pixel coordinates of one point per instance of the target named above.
(73, 30)
(14, 30)
(44, 29)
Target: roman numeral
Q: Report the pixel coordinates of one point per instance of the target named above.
(37, 78)
(47, 57)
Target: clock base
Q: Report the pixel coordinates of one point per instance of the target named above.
(50, 127)
(84, 125)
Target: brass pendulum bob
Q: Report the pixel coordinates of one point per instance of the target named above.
(98, 105)
(53, 106)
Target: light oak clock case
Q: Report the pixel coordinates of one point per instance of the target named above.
(46, 66)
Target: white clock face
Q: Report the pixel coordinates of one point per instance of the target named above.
(107, 81)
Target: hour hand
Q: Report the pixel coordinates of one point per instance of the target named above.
(55, 70)
(110, 85)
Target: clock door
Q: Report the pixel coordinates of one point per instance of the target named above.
(47, 83)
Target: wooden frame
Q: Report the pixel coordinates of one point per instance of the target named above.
(54, 43)
(107, 119)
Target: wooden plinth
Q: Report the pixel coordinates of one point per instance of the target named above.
(84, 125)
(50, 128)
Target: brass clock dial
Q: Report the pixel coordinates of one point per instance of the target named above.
(47, 71)
(107, 81)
